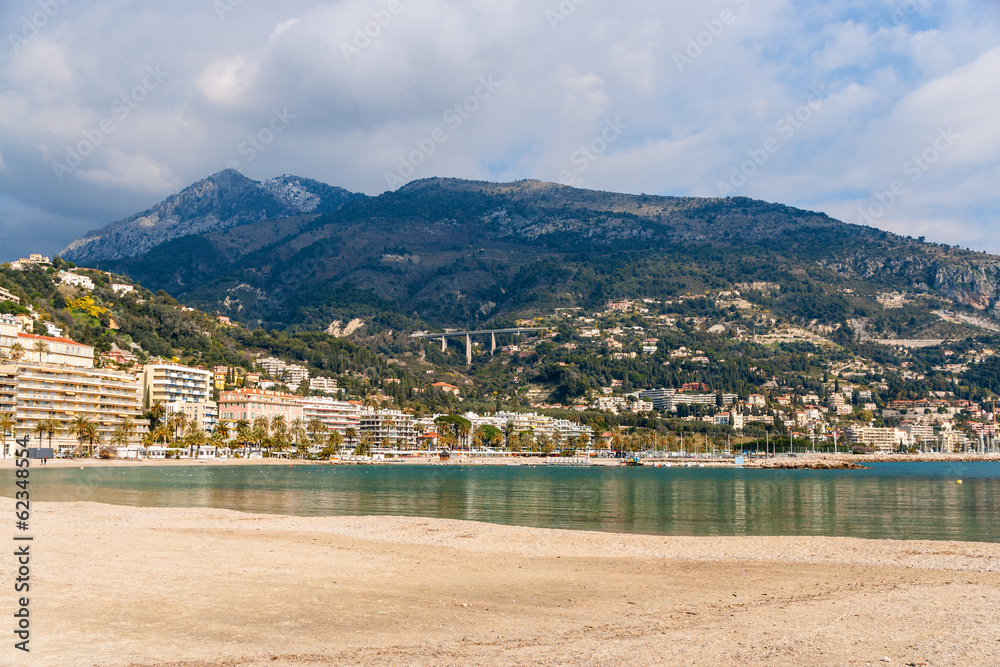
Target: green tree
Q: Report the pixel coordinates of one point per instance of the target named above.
(79, 428)
(7, 425)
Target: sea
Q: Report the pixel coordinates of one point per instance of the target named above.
(933, 501)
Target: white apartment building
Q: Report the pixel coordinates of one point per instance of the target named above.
(326, 385)
(119, 288)
(291, 374)
(172, 383)
(919, 433)
(398, 427)
(76, 280)
(537, 424)
(882, 440)
(63, 392)
(205, 413)
(34, 259)
(335, 415)
(58, 350)
(7, 296)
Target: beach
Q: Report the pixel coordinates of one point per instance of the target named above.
(116, 586)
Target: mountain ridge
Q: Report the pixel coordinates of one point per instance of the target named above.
(453, 252)
(223, 200)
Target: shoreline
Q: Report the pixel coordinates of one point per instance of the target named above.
(217, 588)
(815, 461)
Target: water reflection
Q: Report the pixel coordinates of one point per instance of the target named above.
(896, 501)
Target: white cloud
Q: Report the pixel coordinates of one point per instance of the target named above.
(886, 93)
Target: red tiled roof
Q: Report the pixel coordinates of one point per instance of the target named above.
(50, 338)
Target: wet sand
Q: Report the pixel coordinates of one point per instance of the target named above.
(117, 586)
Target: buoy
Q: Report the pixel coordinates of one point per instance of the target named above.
(959, 482)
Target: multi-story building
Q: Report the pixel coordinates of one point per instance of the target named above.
(219, 375)
(882, 440)
(563, 429)
(392, 425)
(250, 404)
(271, 366)
(335, 415)
(83, 282)
(326, 385)
(953, 441)
(919, 434)
(7, 296)
(669, 399)
(294, 375)
(64, 392)
(205, 413)
(8, 401)
(60, 351)
(34, 259)
(171, 383)
(291, 374)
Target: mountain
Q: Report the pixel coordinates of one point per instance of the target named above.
(221, 201)
(449, 252)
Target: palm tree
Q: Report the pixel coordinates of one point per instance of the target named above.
(176, 422)
(334, 441)
(243, 433)
(119, 438)
(462, 431)
(222, 429)
(128, 428)
(16, 352)
(259, 434)
(508, 432)
(315, 427)
(7, 424)
(298, 431)
(156, 412)
(49, 426)
(364, 447)
(93, 437)
(279, 424)
(80, 428)
(195, 438)
(161, 434)
(41, 347)
(350, 433)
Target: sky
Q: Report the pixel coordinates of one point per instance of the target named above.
(879, 113)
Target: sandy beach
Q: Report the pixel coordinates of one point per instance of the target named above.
(124, 586)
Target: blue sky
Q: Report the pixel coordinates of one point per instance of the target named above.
(879, 112)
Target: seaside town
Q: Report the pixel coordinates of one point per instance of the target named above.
(76, 401)
(377, 332)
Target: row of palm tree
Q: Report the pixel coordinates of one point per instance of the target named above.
(17, 352)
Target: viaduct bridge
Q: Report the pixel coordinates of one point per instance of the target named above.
(469, 334)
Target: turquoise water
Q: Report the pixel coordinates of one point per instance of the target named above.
(894, 501)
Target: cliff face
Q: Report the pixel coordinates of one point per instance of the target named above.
(967, 278)
(974, 285)
(221, 201)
